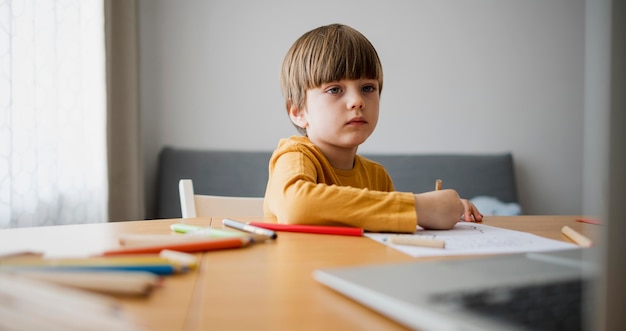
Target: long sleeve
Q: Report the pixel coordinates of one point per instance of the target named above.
(303, 188)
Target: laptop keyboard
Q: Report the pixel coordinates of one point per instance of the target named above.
(552, 306)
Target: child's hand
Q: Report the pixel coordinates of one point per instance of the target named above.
(470, 212)
(441, 210)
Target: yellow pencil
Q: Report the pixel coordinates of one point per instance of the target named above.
(438, 185)
(153, 259)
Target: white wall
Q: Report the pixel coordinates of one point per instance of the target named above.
(467, 76)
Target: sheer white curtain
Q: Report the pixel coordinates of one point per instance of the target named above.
(53, 166)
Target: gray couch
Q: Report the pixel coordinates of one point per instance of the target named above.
(240, 173)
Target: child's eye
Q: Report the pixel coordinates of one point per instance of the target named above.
(369, 88)
(333, 90)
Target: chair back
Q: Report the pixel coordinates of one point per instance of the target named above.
(193, 205)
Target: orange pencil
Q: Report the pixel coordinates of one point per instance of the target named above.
(189, 247)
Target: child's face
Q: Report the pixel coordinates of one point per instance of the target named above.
(340, 114)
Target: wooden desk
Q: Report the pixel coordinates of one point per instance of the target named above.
(262, 287)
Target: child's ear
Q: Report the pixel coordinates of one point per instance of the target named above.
(298, 117)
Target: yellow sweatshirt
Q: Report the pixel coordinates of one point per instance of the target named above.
(304, 188)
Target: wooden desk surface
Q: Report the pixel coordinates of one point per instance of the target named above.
(264, 286)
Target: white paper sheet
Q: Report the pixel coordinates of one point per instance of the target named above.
(474, 238)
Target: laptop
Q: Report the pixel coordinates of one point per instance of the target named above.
(533, 291)
(474, 294)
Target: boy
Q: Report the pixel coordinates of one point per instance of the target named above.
(331, 79)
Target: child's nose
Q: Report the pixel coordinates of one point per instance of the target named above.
(356, 102)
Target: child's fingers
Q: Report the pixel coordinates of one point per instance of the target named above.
(471, 213)
(476, 215)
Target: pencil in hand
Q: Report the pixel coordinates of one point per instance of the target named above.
(438, 185)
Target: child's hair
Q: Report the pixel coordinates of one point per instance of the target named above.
(327, 54)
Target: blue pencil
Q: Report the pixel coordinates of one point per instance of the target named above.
(157, 269)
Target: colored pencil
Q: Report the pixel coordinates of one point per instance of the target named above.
(157, 269)
(87, 261)
(142, 240)
(317, 229)
(576, 237)
(417, 241)
(590, 221)
(248, 228)
(207, 231)
(195, 246)
(438, 183)
(120, 283)
(198, 231)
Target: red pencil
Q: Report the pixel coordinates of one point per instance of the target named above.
(189, 247)
(319, 229)
(589, 221)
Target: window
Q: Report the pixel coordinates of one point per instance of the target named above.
(52, 113)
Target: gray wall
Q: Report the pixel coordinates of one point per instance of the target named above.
(466, 76)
